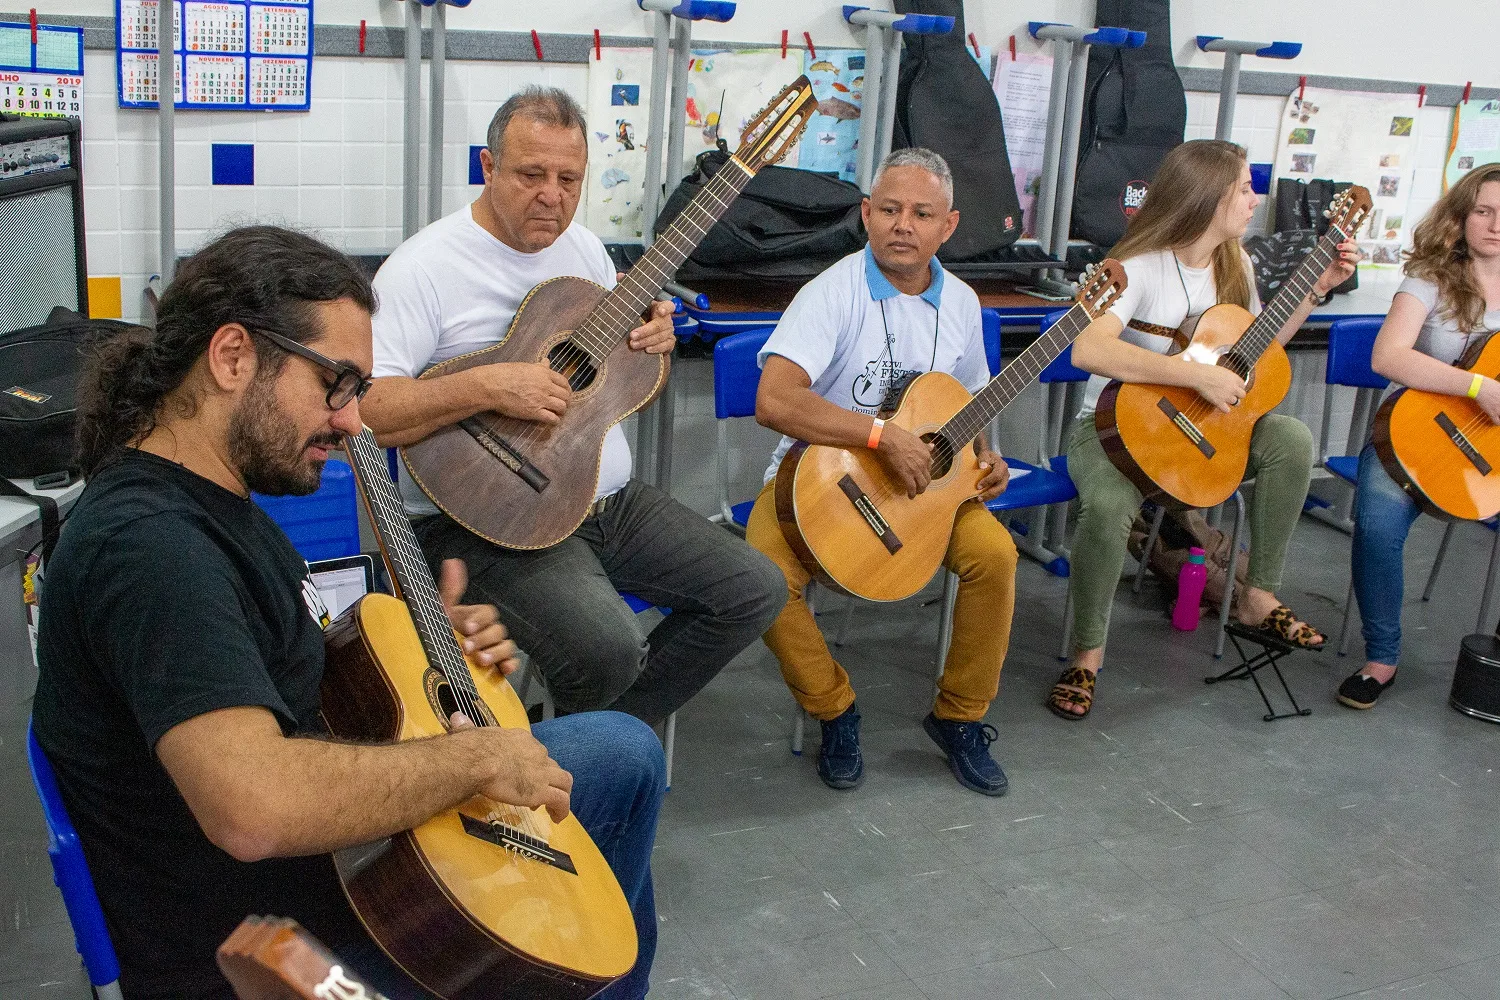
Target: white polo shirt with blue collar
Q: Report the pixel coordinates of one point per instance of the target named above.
(861, 340)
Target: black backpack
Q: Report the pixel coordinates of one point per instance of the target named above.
(1134, 113)
(786, 223)
(944, 103)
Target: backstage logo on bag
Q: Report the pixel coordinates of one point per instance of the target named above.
(27, 394)
(314, 602)
(1132, 198)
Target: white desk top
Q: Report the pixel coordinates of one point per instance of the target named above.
(1371, 298)
(16, 515)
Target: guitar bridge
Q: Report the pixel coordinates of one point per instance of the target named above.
(1462, 443)
(1189, 429)
(872, 516)
(507, 453)
(513, 840)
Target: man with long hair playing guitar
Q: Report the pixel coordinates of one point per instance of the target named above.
(181, 642)
(1449, 302)
(1182, 254)
(840, 356)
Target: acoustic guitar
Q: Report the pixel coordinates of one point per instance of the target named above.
(485, 900)
(527, 485)
(850, 521)
(1175, 446)
(1441, 449)
(269, 958)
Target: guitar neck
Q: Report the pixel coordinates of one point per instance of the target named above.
(965, 425)
(1288, 299)
(408, 568)
(621, 309)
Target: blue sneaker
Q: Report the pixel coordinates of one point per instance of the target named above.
(840, 763)
(967, 747)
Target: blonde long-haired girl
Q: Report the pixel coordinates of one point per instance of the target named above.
(1449, 301)
(1182, 255)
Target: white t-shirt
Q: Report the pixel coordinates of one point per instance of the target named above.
(454, 288)
(860, 340)
(1440, 337)
(1162, 291)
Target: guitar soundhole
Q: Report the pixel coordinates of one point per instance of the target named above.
(942, 454)
(574, 363)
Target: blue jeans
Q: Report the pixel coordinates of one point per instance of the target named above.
(619, 777)
(1383, 514)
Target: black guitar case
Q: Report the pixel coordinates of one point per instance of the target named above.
(1134, 112)
(943, 102)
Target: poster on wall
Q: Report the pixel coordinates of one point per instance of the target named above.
(1475, 139)
(828, 146)
(41, 78)
(236, 55)
(1023, 86)
(1364, 138)
(617, 106)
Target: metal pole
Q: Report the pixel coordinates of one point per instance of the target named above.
(656, 129)
(411, 138)
(166, 144)
(1062, 53)
(888, 82)
(1229, 87)
(435, 112)
(1067, 166)
(869, 115)
(677, 119)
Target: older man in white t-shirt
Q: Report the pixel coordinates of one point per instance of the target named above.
(454, 288)
(846, 346)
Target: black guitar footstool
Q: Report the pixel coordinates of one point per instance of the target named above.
(1272, 648)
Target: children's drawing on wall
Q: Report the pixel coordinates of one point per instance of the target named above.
(1302, 137)
(1302, 163)
(1401, 125)
(832, 138)
(617, 97)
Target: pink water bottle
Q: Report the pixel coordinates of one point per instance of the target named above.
(1190, 582)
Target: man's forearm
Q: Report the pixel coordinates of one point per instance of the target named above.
(403, 410)
(806, 416)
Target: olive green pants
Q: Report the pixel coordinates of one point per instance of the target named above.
(1281, 452)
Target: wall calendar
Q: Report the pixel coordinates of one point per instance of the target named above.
(41, 73)
(232, 56)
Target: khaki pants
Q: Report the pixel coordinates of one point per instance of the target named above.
(983, 556)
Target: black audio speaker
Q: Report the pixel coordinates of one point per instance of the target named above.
(42, 262)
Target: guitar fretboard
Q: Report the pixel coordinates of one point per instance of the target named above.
(414, 583)
(620, 311)
(1274, 315)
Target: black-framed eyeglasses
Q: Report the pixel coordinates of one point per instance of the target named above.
(349, 383)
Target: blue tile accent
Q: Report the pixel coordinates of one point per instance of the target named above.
(1260, 177)
(476, 172)
(233, 163)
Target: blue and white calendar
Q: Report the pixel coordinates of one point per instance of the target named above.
(41, 77)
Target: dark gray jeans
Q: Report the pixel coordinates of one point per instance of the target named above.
(562, 604)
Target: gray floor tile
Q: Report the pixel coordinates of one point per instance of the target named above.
(1422, 988)
(70, 986)
(1475, 980)
(1202, 867)
(1044, 975)
(1074, 894)
(755, 967)
(1431, 917)
(1181, 959)
(896, 991)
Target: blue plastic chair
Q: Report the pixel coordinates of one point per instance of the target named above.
(70, 871)
(736, 380)
(323, 524)
(1350, 343)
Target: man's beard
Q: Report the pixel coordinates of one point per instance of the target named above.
(264, 448)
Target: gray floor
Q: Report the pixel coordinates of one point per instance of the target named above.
(1171, 845)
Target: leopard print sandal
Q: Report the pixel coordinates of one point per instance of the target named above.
(1283, 624)
(1074, 687)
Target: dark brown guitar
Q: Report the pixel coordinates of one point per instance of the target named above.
(523, 484)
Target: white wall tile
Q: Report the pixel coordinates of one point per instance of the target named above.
(277, 164)
(194, 162)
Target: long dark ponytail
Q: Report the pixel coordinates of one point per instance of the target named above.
(259, 276)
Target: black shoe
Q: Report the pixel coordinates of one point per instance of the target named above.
(840, 764)
(1360, 690)
(967, 747)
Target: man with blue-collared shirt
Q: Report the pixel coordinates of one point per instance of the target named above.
(846, 346)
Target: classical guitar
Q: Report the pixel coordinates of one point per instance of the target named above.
(268, 958)
(1169, 441)
(1442, 449)
(485, 900)
(850, 521)
(525, 485)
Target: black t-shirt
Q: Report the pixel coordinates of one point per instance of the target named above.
(169, 597)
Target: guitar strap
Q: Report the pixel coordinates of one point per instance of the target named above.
(1179, 339)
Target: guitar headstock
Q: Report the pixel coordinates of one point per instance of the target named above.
(1100, 285)
(268, 958)
(772, 133)
(1348, 209)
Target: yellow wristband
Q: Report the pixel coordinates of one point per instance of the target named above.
(875, 430)
(1475, 386)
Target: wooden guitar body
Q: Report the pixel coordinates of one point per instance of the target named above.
(1441, 449)
(1177, 449)
(461, 914)
(477, 486)
(821, 516)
